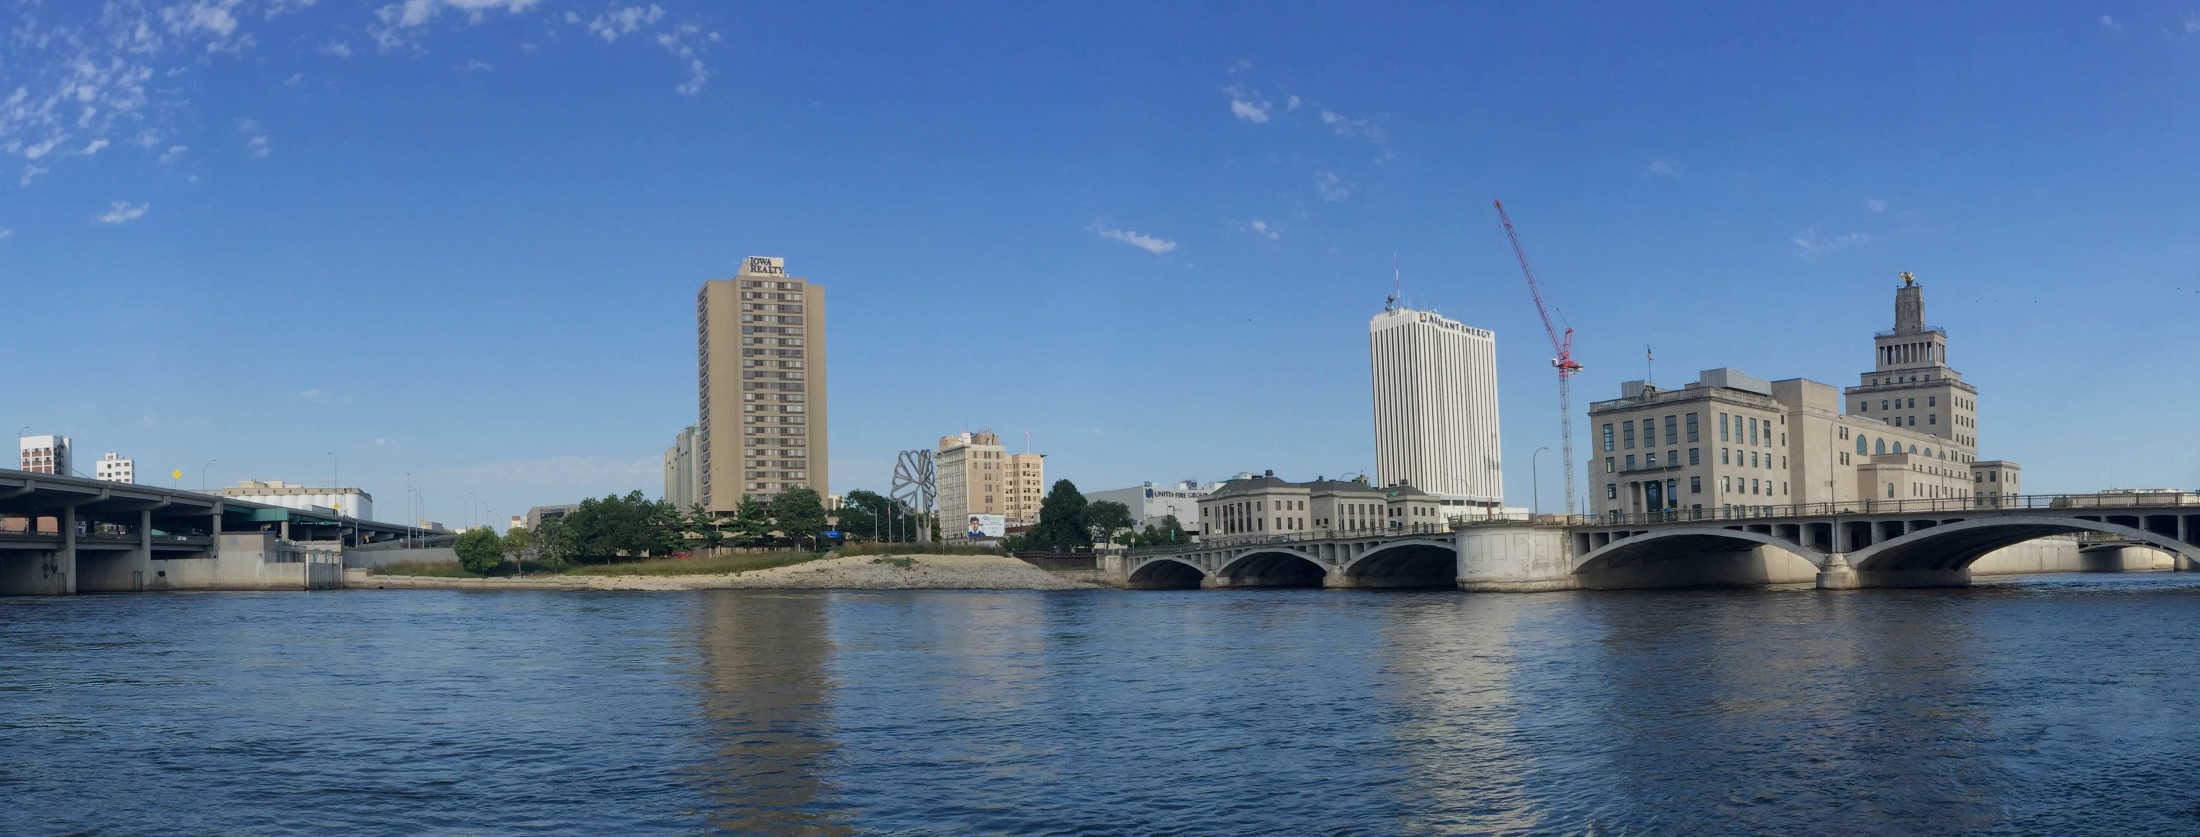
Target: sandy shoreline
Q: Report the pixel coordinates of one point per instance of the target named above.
(862, 572)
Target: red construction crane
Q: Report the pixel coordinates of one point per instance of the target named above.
(1564, 362)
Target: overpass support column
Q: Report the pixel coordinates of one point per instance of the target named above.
(65, 560)
(1837, 574)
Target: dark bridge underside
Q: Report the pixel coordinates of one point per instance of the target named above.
(1166, 575)
(1645, 551)
(1272, 569)
(1957, 548)
(1413, 565)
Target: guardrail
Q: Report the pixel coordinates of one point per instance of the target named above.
(1296, 537)
(2106, 503)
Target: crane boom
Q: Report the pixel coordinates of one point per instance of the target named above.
(1562, 347)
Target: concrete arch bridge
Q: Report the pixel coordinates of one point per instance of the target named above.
(1424, 556)
(1836, 546)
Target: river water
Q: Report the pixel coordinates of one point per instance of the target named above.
(2048, 705)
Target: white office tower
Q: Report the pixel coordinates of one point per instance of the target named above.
(45, 454)
(1436, 407)
(115, 468)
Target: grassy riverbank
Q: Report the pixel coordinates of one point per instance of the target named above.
(716, 565)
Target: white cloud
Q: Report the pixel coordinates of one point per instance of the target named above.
(256, 138)
(1331, 187)
(2192, 23)
(627, 21)
(94, 146)
(1876, 205)
(475, 66)
(678, 44)
(123, 212)
(1346, 126)
(1291, 103)
(1241, 65)
(258, 147)
(1663, 168)
(174, 153)
(294, 80)
(1249, 111)
(311, 394)
(339, 49)
(5, 234)
(202, 16)
(1264, 229)
(1150, 244)
(2110, 23)
(31, 173)
(1810, 243)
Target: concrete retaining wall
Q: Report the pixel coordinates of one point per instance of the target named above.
(371, 558)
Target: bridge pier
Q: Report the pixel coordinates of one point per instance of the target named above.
(2184, 564)
(1837, 574)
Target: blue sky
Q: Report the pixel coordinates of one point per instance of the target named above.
(459, 238)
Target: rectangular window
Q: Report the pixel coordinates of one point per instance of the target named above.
(1672, 430)
(1863, 406)
(1695, 485)
(1672, 457)
(1672, 493)
(1607, 438)
(1752, 459)
(1722, 455)
(1753, 484)
(1627, 435)
(1932, 418)
(1692, 428)
(1753, 431)
(1932, 401)
(1608, 465)
(1650, 460)
(1630, 462)
(1722, 428)
(1611, 491)
(1882, 405)
(1692, 458)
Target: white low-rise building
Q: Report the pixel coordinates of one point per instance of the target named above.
(347, 502)
(114, 467)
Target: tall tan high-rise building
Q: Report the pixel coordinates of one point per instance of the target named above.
(1026, 487)
(760, 347)
(972, 473)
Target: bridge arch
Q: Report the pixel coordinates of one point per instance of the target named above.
(1417, 562)
(1167, 573)
(1271, 566)
(1954, 546)
(1687, 540)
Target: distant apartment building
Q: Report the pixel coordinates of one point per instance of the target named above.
(1435, 388)
(1730, 441)
(113, 467)
(349, 502)
(971, 471)
(45, 454)
(683, 479)
(1025, 487)
(1150, 504)
(760, 377)
(538, 514)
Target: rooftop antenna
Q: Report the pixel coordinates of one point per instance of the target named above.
(1397, 284)
(1027, 441)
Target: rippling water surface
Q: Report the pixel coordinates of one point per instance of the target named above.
(2051, 705)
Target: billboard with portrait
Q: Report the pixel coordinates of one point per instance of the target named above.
(985, 526)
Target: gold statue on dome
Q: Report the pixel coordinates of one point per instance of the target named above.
(1907, 279)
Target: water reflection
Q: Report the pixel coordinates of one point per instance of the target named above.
(767, 715)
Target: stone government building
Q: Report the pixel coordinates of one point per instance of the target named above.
(1733, 442)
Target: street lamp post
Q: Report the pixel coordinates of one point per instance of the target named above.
(1535, 481)
(202, 472)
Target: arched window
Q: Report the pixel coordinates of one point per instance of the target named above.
(1863, 445)
(1913, 448)
(1928, 453)
(1879, 447)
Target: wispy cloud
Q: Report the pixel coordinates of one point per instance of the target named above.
(1811, 243)
(1254, 112)
(617, 21)
(256, 138)
(1263, 229)
(1876, 205)
(1331, 186)
(174, 153)
(339, 49)
(475, 66)
(124, 212)
(311, 394)
(1663, 168)
(2110, 23)
(31, 173)
(6, 234)
(1150, 244)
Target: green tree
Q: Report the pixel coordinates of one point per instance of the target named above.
(1107, 517)
(863, 514)
(798, 514)
(704, 528)
(517, 546)
(1062, 523)
(477, 550)
(752, 523)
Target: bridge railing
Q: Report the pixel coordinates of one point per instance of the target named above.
(2105, 503)
(1294, 537)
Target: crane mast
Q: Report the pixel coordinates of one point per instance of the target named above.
(1563, 347)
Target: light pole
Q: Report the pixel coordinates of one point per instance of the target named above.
(1535, 481)
(202, 472)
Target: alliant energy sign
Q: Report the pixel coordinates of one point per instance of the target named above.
(764, 266)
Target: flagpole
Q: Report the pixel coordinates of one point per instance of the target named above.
(1649, 365)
